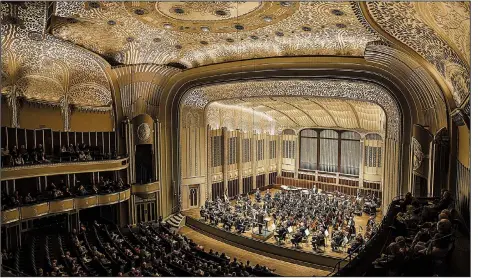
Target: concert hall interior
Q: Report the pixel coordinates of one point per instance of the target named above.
(235, 138)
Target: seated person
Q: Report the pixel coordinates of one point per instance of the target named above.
(63, 149)
(23, 153)
(358, 241)
(297, 239)
(81, 156)
(40, 154)
(318, 240)
(337, 240)
(82, 191)
(28, 199)
(67, 192)
(7, 159)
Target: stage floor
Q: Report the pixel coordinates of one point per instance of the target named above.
(307, 247)
(282, 268)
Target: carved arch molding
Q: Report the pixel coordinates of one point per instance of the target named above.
(197, 99)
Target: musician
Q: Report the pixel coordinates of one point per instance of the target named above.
(258, 195)
(202, 213)
(318, 241)
(358, 241)
(240, 225)
(280, 234)
(268, 195)
(297, 238)
(337, 240)
(260, 220)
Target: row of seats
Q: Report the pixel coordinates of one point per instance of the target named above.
(107, 250)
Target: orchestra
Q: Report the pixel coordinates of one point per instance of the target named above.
(294, 214)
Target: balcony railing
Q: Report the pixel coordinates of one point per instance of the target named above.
(62, 205)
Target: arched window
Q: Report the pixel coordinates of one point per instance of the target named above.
(350, 153)
(308, 149)
(329, 151)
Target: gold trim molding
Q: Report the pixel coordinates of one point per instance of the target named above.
(60, 206)
(28, 171)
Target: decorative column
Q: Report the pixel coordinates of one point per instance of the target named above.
(362, 157)
(126, 129)
(254, 159)
(296, 155)
(209, 162)
(65, 113)
(13, 103)
(225, 173)
(267, 157)
(279, 149)
(240, 138)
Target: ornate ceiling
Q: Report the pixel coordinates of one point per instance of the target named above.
(438, 31)
(201, 33)
(296, 103)
(56, 51)
(41, 67)
(278, 113)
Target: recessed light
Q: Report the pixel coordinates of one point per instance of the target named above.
(239, 27)
(306, 28)
(230, 40)
(341, 25)
(178, 11)
(285, 4)
(168, 25)
(221, 13)
(94, 5)
(267, 19)
(139, 12)
(280, 34)
(254, 37)
(205, 28)
(203, 42)
(111, 22)
(337, 12)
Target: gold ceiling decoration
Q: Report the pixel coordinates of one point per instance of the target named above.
(141, 87)
(218, 17)
(438, 31)
(192, 33)
(44, 68)
(274, 114)
(343, 105)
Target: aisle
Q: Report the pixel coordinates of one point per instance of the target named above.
(283, 268)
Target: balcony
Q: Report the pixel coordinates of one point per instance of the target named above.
(64, 205)
(48, 169)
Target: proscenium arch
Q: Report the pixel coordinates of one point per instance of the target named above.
(198, 98)
(355, 68)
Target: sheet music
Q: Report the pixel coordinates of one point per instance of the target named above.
(289, 229)
(307, 232)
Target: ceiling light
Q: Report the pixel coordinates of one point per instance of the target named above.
(111, 22)
(239, 27)
(285, 4)
(267, 19)
(168, 25)
(205, 28)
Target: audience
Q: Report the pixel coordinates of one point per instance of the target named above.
(23, 156)
(61, 191)
(424, 241)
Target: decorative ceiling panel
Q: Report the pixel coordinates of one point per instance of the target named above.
(41, 67)
(202, 33)
(275, 105)
(438, 31)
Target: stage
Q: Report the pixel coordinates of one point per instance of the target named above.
(327, 257)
